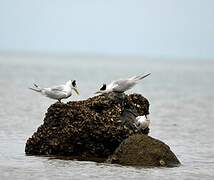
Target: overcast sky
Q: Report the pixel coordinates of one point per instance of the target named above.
(152, 28)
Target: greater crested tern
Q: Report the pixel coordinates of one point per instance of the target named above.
(121, 85)
(57, 92)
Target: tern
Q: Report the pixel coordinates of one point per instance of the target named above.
(57, 92)
(142, 122)
(121, 85)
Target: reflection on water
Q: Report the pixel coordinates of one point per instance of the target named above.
(181, 98)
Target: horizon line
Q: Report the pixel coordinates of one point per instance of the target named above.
(94, 55)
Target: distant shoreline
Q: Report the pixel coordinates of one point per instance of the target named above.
(83, 55)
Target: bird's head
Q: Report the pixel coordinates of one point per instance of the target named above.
(102, 89)
(73, 85)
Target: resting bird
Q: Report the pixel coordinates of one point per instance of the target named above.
(121, 85)
(57, 92)
(142, 122)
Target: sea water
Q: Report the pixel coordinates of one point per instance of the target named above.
(181, 99)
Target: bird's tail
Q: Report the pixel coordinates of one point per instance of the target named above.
(138, 78)
(37, 88)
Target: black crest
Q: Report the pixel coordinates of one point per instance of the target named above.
(74, 83)
(103, 87)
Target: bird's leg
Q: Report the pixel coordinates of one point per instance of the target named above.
(59, 100)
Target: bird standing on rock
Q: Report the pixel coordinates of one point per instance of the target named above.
(57, 92)
(121, 85)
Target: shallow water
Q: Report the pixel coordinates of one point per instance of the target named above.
(182, 105)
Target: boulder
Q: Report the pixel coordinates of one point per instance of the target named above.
(91, 128)
(142, 150)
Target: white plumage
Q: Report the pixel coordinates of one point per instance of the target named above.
(121, 85)
(57, 92)
(142, 122)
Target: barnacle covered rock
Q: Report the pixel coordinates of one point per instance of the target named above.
(91, 128)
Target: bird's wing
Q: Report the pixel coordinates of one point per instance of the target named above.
(138, 118)
(57, 88)
(121, 81)
(111, 86)
(138, 78)
(133, 77)
(123, 85)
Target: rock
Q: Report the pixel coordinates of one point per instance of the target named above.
(91, 128)
(142, 150)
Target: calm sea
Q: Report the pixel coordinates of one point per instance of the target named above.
(182, 112)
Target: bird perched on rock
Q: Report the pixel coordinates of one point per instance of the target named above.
(57, 92)
(142, 122)
(121, 85)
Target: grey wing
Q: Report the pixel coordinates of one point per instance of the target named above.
(123, 85)
(57, 88)
(56, 92)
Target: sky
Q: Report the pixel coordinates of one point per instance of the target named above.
(151, 28)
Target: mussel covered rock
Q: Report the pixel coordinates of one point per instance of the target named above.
(90, 128)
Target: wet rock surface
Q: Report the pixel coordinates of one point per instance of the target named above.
(92, 128)
(142, 150)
